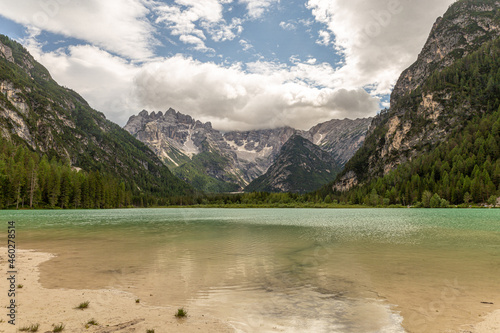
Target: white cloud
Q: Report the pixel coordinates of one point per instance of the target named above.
(191, 19)
(104, 80)
(379, 38)
(221, 31)
(324, 38)
(376, 46)
(256, 8)
(287, 26)
(119, 26)
(256, 95)
(265, 95)
(245, 45)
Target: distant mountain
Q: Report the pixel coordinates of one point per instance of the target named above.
(341, 138)
(51, 120)
(300, 167)
(440, 135)
(222, 162)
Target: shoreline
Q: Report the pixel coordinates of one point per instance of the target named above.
(250, 206)
(116, 310)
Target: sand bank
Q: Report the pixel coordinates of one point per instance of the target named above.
(113, 310)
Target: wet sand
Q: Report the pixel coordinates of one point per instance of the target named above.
(113, 310)
(432, 309)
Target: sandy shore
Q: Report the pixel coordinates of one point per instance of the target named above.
(115, 310)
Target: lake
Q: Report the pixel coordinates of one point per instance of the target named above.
(291, 270)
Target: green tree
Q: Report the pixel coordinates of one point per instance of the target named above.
(435, 201)
(426, 199)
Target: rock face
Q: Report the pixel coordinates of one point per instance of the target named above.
(341, 138)
(465, 25)
(301, 166)
(234, 157)
(422, 115)
(35, 111)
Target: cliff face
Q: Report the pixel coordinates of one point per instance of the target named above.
(234, 157)
(35, 111)
(465, 26)
(423, 112)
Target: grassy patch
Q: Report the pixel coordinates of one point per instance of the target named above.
(31, 328)
(150, 331)
(20, 286)
(181, 313)
(91, 322)
(137, 300)
(83, 305)
(58, 328)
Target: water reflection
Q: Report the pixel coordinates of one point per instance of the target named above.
(289, 270)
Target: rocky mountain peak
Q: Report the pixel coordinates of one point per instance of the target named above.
(301, 166)
(238, 157)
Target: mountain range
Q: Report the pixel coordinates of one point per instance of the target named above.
(215, 161)
(438, 144)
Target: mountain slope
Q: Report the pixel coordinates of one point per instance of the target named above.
(341, 138)
(219, 162)
(55, 121)
(420, 144)
(418, 119)
(194, 151)
(300, 167)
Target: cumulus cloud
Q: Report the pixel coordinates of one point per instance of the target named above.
(379, 38)
(262, 95)
(251, 96)
(222, 31)
(104, 80)
(190, 19)
(256, 8)
(287, 26)
(324, 38)
(119, 26)
(245, 45)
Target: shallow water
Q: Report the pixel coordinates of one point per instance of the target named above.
(263, 270)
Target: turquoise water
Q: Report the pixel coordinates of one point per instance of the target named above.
(294, 270)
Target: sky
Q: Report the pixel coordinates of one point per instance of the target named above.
(240, 64)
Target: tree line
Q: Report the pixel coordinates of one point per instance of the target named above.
(30, 180)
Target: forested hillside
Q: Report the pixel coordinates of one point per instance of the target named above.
(463, 168)
(30, 180)
(56, 124)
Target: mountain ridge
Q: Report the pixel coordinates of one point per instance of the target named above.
(300, 167)
(177, 138)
